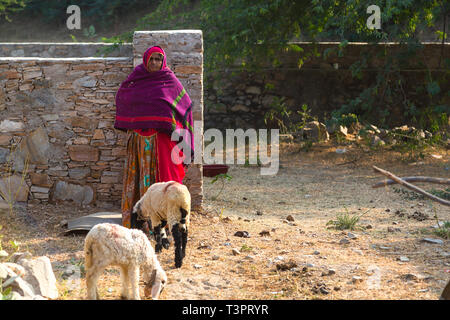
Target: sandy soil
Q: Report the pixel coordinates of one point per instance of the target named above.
(300, 258)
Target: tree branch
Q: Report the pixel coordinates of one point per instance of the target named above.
(410, 186)
(413, 179)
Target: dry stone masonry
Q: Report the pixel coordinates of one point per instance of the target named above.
(57, 117)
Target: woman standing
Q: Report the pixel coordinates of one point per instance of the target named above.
(151, 104)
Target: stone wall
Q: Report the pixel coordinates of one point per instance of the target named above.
(236, 99)
(60, 112)
(57, 117)
(64, 50)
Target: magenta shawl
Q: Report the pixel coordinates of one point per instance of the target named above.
(154, 100)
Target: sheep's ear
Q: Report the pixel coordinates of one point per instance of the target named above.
(137, 208)
(156, 290)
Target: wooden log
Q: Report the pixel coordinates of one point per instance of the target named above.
(413, 179)
(411, 186)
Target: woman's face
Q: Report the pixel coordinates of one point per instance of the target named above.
(155, 62)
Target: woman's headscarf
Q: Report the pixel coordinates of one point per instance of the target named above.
(149, 52)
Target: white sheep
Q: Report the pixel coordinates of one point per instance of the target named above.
(111, 244)
(166, 203)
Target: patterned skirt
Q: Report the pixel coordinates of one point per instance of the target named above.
(148, 161)
(140, 171)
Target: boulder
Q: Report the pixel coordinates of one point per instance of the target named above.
(14, 188)
(20, 255)
(35, 147)
(40, 275)
(16, 283)
(81, 195)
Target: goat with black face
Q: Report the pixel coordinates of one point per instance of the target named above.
(167, 204)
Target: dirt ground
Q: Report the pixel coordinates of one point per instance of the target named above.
(298, 258)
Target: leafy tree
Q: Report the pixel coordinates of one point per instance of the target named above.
(253, 33)
(103, 12)
(10, 6)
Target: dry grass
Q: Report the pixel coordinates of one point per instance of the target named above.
(313, 188)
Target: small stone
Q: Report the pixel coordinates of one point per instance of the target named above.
(356, 279)
(264, 233)
(344, 241)
(324, 290)
(384, 248)
(409, 277)
(203, 246)
(352, 236)
(403, 259)
(198, 266)
(337, 288)
(434, 241)
(329, 272)
(236, 252)
(215, 257)
(3, 254)
(287, 266)
(316, 252)
(290, 218)
(242, 234)
(20, 255)
(259, 213)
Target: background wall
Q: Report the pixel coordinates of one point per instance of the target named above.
(240, 99)
(57, 114)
